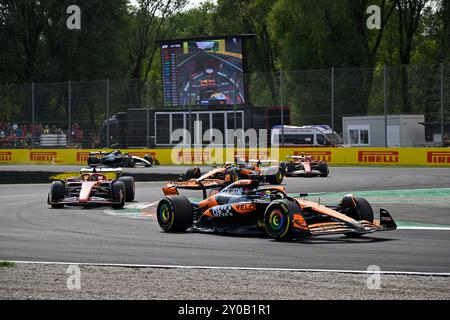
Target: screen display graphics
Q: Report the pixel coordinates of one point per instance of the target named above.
(204, 72)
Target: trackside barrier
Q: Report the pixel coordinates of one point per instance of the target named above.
(435, 157)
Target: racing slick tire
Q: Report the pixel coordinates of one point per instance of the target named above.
(128, 162)
(323, 168)
(287, 167)
(130, 187)
(118, 194)
(93, 160)
(150, 161)
(278, 219)
(57, 192)
(193, 173)
(276, 178)
(175, 213)
(363, 211)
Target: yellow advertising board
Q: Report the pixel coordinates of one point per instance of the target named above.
(438, 157)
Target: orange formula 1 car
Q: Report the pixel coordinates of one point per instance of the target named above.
(244, 207)
(304, 166)
(262, 170)
(92, 188)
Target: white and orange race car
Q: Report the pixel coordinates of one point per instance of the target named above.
(245, 208)
(92, 187)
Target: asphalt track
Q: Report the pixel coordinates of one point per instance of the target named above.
(31, 231)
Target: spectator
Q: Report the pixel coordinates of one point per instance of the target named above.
(445, 142)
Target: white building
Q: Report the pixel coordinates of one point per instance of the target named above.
(403, 130)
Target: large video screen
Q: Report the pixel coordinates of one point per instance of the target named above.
(203, 72)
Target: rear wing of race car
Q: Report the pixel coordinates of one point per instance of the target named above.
(116, 171)
(171, 188)
(263, 162)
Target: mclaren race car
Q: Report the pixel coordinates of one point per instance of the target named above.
(245, 207)
(304, 166)
(116, 159)
(261, 170)
(92, 187)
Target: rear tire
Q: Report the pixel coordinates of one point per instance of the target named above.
(118, 194)
(175, 213)
(130, 188)
(57, 193)
(93, 160)
(278, 220)
(323, 168)
(193, 173)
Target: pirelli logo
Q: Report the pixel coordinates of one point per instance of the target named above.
(5, 156)
(438, 157)
(378, 156)
(42, 156)
(246, 156)
(316, 155)
(196, 157)
(82, 156)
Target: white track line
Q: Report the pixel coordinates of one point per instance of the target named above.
(442, 274)
(424, 228)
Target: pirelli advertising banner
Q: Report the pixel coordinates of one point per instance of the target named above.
(438, 157)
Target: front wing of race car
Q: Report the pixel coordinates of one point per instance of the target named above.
(341, 224)
(74, 201)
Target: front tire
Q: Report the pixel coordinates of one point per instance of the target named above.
(130, 188)
(118, 194)
(276, 178)
(363, 211)
(175, 213)
(57, 193)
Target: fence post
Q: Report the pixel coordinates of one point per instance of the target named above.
(442, 104)
(282, 109)
(33, 114)
(332, 101)
(385, 106)
(70, 111)
(107, 113)
(148, 115)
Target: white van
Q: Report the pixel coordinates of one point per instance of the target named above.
(306, 136)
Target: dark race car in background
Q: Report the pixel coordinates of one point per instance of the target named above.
(92, 187)
(117, 159)
(304, 166)
(245, 208)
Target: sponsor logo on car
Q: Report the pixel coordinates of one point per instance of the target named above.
(82, 156)
(42, 156)
(5, 156)
(378, 156)
(316, 155)
(244, 207)
(222, 211)
(438, 157)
